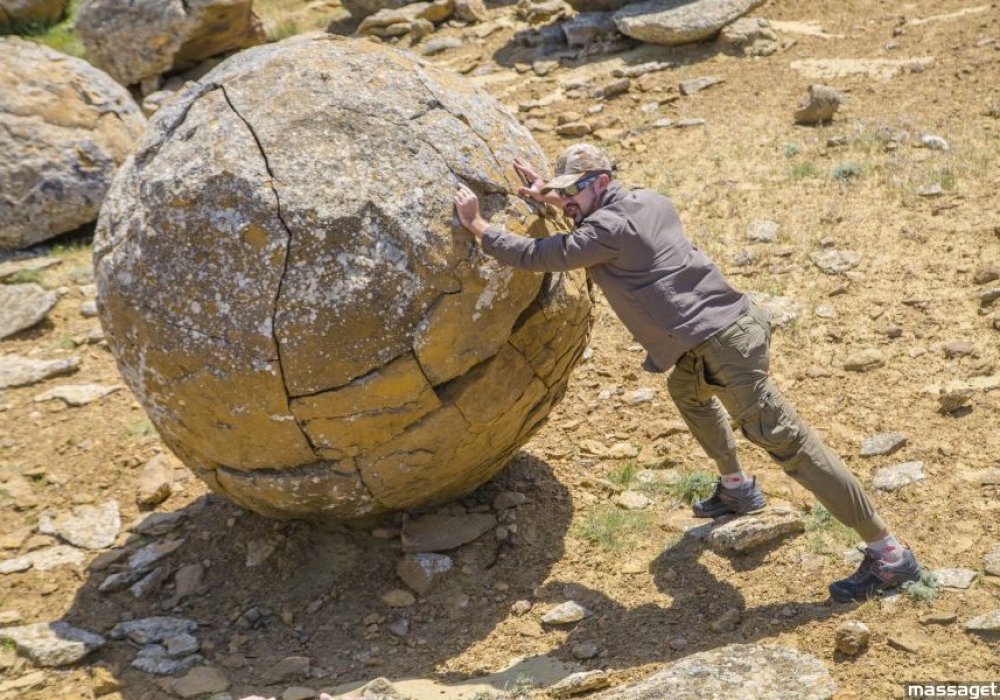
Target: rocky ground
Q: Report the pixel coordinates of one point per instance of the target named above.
(879, 232)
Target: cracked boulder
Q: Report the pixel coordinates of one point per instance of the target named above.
(137, 39)
(287, 292)
(65, 127)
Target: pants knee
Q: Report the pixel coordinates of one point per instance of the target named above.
(774, 426)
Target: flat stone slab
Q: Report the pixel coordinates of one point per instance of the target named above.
(758, 671)
(22, 371)
(43, 559)
(992, 562)
(437, 532)
(9, 268)
(90, 527)
(882, 444)
(78, 394)
(22, 306)
(955, 578)
(53, 643)
(898, 476)
(990, 622)
(676, 22)
(749, 531)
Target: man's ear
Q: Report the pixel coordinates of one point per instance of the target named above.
(603, 180)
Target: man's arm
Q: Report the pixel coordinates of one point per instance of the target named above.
(534, 184)
(587, 245)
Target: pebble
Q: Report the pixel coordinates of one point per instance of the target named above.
(398, 598)
(585, 650)
(566, 614)
(864, 360)
(852, 637)
(992, 562)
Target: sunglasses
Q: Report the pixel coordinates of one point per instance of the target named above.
(578, 186)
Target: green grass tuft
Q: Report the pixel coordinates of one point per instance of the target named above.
(848, 170)
(801, 171)
(692, 486)
(925, 590)
(614, 529)
(25, 277)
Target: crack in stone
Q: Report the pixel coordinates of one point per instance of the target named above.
(284, 270)
(168, 130)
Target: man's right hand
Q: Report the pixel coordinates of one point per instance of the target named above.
(533, 181)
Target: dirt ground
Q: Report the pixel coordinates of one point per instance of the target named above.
(857, 183)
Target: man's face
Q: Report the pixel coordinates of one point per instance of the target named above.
(582, 204)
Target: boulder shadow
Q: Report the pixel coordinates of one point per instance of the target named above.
(264, 592)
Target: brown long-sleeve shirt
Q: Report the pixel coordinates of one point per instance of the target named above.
(668, 294)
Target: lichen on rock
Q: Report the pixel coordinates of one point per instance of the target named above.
(287, 293)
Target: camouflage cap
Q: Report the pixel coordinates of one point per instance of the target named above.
(577, 161)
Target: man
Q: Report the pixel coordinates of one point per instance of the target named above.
(678, 305)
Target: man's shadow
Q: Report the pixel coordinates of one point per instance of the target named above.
(319, 591)
(701, 611)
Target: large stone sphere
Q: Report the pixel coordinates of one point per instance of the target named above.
(287, 292)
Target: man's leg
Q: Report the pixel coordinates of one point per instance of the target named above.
(735, 364)
(710, 425)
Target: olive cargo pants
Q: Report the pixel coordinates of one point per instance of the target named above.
(730, 370)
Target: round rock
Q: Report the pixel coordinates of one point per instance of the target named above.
(303, 319)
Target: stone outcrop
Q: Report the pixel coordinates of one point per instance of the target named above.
(676, 22)
(137, 39)
(304, 320)
(65, 127)
(759, 671)
(19, 13)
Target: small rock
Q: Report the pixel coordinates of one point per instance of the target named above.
(199, 681)
(689, 87)
(749, 531)
(835, 262)
(103, 681)
(986, 274)
(727, 621)
(398, 598)
(992, 562)
(639, 396)
(678, 643)
(577, 683)
(852, 637)
(22, 306)
(288, 669)
(155, 481)
(24, 371)
(938, 618)
(90, 527)
(898, 476)
(762, 231)
(989, 622)
(905, 643)
(298, 692)
(585, 650)
(935, 143)
(420, 571)
(78, 394)
(954, 395)
(150, 630)
(819, 106)
(882, 444)
(566, 614)
(437, 532)
(53, 643)
(955, 578)
(864, 360)
(633, 500)
(958, 348)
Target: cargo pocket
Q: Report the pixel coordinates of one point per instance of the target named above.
(773, 425)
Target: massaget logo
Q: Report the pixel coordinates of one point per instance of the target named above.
(972, 690)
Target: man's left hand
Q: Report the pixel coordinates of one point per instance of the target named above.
(467, 208)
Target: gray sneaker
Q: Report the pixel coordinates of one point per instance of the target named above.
(745, 498)
(875, 576)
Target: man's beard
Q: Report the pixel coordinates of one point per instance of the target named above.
(574, 212)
